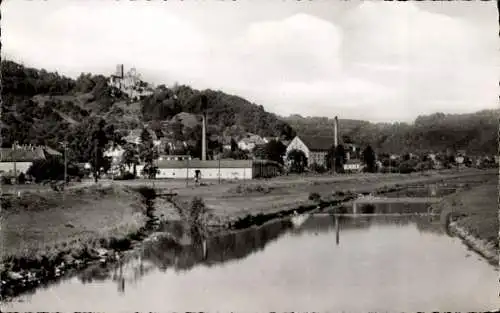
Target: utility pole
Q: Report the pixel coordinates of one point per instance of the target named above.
(65, 145)
(187, 171)
(96, 169)
(14, 157)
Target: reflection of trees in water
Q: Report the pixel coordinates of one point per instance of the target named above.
(430, 224)
(322, 223)
(123, 272)
(167, 253)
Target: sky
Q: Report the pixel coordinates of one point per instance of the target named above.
(370, 60)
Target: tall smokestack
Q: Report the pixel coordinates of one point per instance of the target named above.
(336, 131)
(204, 128)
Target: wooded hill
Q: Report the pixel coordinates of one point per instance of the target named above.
(475, 132)
(44, 108)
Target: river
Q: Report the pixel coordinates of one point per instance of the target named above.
(351, 263)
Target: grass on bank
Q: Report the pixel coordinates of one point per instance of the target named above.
(37, 225)
(479, 207)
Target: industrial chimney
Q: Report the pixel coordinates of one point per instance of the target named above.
(204, 128)
(336, 131)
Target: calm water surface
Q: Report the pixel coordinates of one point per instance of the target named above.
(377, 263)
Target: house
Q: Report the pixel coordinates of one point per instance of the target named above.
(174, 157)
(351, 151)
(226, 143)
(315, 148)
(268, 139)
(24, 156)
(353, 165)
(250, 142)
(134, 137)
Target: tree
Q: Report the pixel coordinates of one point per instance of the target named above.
(234, 145)
(274, 150)
(337, 155)
(148, 153)
(298, 161)
(130, 157)
(51, 168)
(177, 130)
(369, 159)
(99, 140)
(238, 154)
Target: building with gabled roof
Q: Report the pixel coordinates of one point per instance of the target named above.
(24, 156)
(315, 148)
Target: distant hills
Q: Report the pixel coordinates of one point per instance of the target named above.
(44, 108)
(475, 132)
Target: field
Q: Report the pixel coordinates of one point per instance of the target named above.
(479, 209)
(50, 220)
(37, 224)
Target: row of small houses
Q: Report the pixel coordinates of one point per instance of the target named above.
(168, 166)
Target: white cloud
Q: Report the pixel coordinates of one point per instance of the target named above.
(380, 56)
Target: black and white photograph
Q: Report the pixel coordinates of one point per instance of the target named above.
(249, 156)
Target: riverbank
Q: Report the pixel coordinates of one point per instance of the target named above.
(46, 236)
(472, 215)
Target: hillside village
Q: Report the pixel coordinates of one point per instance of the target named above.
(140, 134)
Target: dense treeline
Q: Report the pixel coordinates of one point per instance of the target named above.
(224, 111)
(475, 132)
(44, 108)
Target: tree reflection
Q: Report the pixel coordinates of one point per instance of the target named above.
(167, 253)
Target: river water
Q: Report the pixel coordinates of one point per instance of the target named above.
(358, 263)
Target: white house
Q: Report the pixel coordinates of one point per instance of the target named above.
(134, 137)
(315, 148)
(250, 142)
(24, 157)
(353, 165)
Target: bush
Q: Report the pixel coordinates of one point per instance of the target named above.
(148, 197)
(193, 214)
(314, 196)
(125, 176)
(318, 168)
(21, 179)
(49, 169)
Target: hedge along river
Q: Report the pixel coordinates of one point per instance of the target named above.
(328, 263)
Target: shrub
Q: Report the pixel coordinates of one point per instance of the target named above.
(125, 176)
(49, 169)
(148, 196)
(21, 179)
(314, 196)
(192, 215)
(6, 180)
(315, 167)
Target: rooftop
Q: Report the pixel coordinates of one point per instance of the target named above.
(317, 143)
(26, 153)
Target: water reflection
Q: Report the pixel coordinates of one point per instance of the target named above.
(280, 267)
(167, 253)
(423, 191)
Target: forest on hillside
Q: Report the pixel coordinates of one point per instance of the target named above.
(46, 108)
(474, 132)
